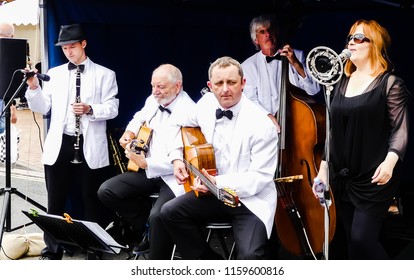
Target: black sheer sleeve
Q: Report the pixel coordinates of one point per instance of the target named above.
(398, 98)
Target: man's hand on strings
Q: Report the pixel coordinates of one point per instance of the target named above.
(289, 53)
(198, 184)
(138, 158)
(180, 171)
(126, 138)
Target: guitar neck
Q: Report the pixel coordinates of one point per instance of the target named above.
(211, 187)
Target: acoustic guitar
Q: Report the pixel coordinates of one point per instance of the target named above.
(198, 155)
(140, 144)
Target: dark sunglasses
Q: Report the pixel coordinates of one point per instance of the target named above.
(358, 38)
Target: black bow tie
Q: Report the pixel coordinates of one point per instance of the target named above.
(164, 109)
(220, 113)
(271, 58)
(72, 66)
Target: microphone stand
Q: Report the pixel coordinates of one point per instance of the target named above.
(326, 68)
(328, 199)
(7, 191)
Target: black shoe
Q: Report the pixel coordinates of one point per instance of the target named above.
(142, 247)
(47, 255)
(122, 233)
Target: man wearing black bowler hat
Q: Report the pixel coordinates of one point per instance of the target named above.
(81, 97)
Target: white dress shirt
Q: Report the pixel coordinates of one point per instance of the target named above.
(263, 80)
(222, 140)
(165, 131)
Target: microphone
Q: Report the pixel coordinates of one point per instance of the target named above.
(325, 65)
(344, 55)
(29, 74)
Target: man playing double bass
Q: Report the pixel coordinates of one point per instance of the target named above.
(276, 76)
(263, 69)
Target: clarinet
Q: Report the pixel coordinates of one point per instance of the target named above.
(77, 156)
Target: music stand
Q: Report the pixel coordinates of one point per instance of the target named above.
(5, 221)
(89, 236)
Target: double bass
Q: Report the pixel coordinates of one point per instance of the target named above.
(300, 218)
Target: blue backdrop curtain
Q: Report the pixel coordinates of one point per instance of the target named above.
(134, 37)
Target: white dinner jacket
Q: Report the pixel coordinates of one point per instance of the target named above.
(159, 160)
(253, 155)
(98, 88)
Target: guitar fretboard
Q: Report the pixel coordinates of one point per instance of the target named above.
(212, 188)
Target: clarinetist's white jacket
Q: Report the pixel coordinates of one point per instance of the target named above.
(98, 88)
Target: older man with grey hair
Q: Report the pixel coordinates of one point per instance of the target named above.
(6, 31)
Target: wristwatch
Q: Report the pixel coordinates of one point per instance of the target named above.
(90, 111)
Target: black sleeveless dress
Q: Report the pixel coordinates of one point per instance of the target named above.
(364, 129)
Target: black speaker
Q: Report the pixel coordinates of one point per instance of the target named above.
(12, 58)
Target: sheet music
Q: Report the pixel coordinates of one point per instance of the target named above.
(95, 228)
(102, 234)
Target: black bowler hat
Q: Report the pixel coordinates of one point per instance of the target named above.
(70, 34)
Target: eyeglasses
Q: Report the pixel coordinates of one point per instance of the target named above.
(358, 38)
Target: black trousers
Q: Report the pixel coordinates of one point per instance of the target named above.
(363, 233)
(72, 188)
(184, 216)
(161, 244)
(128, 195)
